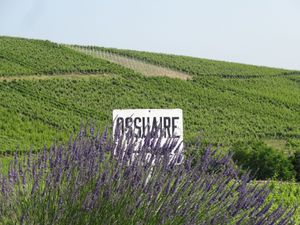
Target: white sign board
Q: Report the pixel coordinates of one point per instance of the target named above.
(140, 121)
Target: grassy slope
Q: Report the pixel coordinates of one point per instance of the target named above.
(20, 56)
(198, 66)
(227, 108)
(33, 107)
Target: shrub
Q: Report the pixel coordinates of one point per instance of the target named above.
(94, 180)
(296, 163)
(263, 161)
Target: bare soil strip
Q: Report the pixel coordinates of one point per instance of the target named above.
(140, 66)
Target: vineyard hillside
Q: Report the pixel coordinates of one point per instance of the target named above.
(48, 90)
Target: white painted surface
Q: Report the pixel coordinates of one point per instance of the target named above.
(141, 120)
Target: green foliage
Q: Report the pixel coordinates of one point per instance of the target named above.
(234, 102)
(12, 68)
(296, 162)
(286, 194)
(33, 112)
(20, 56)
(268, 162)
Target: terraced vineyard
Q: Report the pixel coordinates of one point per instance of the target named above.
(195, 66)
(228, 108)
(138, 65)
(20, 56)
(30, 108)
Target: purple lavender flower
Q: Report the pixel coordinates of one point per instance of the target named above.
(96, 179)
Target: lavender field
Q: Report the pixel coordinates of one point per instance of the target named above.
(95, 180)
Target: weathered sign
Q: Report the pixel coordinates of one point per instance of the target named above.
(142, 121)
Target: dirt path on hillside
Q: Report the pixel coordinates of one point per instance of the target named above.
(140, 66)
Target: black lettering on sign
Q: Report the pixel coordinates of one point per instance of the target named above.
(154, 124)
(128, 123)
(146, 126)
(141, 126)
(167, 125)
(138, 127)
(154, 128)
(174, 126)
(120, 124)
